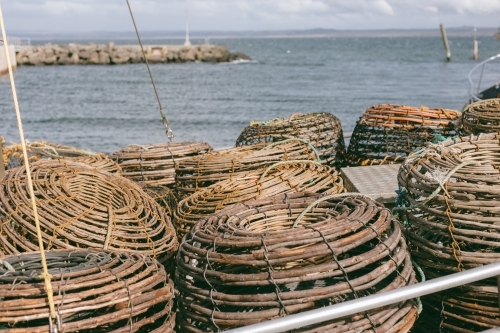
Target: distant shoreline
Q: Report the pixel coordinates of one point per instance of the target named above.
(310, 33)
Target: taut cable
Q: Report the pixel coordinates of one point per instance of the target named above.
(45, 275)
(170, 134)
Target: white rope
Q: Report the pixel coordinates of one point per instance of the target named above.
(45, 275)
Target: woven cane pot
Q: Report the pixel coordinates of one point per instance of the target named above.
(322, 129)
(388, 133)
(93, 292)
(154, 165)
(290, 253)
(282, 177)
(452, 224)
(163, 196)
(37, 150)
(482, 117)
(81, 207)
(199, 172)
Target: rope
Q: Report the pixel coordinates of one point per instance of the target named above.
(328, 197)
(169, 132)
(7, 265)
(422, 279)
(45, 273)
(438, 189)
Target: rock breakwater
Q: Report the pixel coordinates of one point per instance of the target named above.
(111, 54)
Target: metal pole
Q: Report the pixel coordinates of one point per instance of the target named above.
(361, 305)
(498, 286)
(445, 41)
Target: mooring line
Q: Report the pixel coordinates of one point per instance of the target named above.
(45, 275)
(169, 132)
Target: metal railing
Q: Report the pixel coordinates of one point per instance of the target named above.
(473, 95)
(374, 301)
(19, 42)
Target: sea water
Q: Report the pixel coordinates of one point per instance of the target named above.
(104, 108)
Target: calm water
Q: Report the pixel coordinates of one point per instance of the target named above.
(104, 108)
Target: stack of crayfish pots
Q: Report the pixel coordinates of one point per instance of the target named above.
(388, 133)
(281, 157)
(452, 223)
(265, 230)
(109, 249)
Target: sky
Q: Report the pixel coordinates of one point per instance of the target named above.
(67, 16)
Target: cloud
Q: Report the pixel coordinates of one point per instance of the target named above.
(112, 15)
(383, 7)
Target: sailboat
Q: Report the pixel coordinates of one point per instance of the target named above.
(497, 34)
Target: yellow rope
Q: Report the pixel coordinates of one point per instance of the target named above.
(45, 275)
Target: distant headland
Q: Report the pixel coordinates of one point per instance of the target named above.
(111, 54)
(200, 35)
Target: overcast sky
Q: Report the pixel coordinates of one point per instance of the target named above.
(237, 15)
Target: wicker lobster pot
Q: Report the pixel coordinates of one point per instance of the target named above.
(322, 129)
(93, 292)
(387, 133)
(163, 196)
(101, 162)
(37, 150)
(202, 171)
(283, 177)
(452, 189)
(290, 253)
(482, 117)
(154, 165)
(81, 207)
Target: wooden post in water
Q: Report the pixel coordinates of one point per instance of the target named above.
(445, 41)
(476, 47)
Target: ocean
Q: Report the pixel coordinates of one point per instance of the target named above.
(104, 108)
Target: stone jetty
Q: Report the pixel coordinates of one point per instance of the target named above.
(111, 54)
